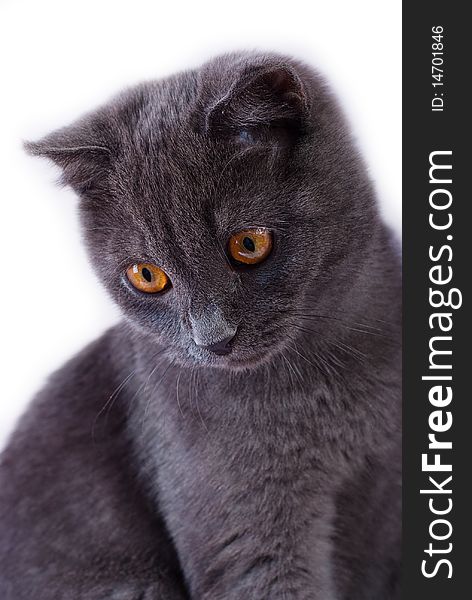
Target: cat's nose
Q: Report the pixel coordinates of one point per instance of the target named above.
(220, 347)
(211, 330)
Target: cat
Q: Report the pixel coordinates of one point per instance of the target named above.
(238, 434)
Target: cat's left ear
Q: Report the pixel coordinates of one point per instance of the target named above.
(82, 151)
(261, 96)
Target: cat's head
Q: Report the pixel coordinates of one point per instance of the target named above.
(218, 204)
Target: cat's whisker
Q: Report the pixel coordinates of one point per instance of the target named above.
(322, 363)
(146, 408)
(197, 405)
(291, 369)
(346, 327)
(190, 391)
(335, 318)
(317, 366)
(297, 370)
(267, 379)
(346, 348)
(177, 393)
(353, 326)
(360, 327)
(143, 387)
(111, 399)
(151, 372)
(350, 349)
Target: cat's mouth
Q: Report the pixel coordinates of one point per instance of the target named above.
(242, 352)
(238, 358)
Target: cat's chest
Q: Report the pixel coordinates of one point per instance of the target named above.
(221, 432)
(218, 434)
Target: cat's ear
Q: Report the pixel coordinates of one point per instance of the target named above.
(261, 97)
(82, 151)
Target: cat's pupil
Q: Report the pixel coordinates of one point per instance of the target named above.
(146, 273)
(249, 244)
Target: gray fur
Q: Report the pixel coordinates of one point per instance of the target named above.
(151, 468)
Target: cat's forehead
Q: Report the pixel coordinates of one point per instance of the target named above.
(170, 170)
(200, 189)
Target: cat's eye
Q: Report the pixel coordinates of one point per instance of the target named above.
(147, 278)
(250, 246)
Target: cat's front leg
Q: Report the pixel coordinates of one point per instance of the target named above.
(263, 578)
(266, 578)
(278, 553)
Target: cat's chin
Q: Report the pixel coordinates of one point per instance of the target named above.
(234, 361)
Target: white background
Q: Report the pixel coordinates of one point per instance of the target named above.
(59, 59)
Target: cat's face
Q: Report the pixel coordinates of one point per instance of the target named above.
(213, 205)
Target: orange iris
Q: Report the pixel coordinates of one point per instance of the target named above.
(250, 246)
(148, 278)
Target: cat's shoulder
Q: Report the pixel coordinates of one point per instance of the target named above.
(74, 397)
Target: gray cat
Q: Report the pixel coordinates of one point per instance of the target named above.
(237, 435)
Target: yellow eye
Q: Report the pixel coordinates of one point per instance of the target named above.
(148, 278)
(250, 246)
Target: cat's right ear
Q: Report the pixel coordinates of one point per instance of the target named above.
(81, 150)
(254, 96)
